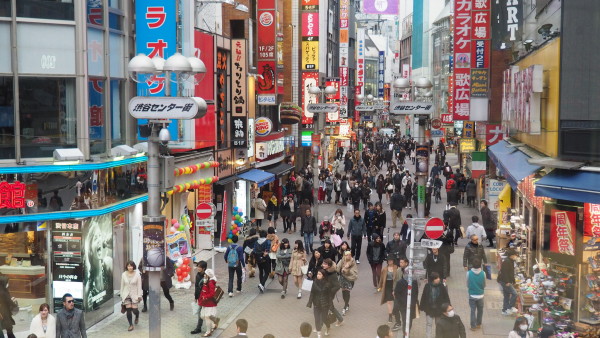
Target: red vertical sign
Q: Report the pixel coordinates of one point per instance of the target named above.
(462, 59)
(224, 219)
(562, 231)
(266, 53)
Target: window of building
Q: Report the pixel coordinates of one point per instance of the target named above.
(47, 115)
(117, 114)
(46, 9)
(5, 9)
(7, 121)
(96, 111)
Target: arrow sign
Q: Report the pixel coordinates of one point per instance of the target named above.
(364, 108)
(322, 108)
(431, 243)
(434, 228)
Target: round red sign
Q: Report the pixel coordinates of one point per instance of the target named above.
(205, 210)
(434, 228)
(436, 123)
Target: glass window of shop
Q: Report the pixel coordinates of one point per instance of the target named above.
(7, 122)
(5, 9)
(96, 113)
(47, 115)
(46, 9)
(117, 113)
(75, 190)
(5, 49)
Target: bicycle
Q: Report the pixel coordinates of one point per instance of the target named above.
(248, 224)
(437, 194)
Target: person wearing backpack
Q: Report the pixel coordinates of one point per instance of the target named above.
(234, 257)
(261, 251)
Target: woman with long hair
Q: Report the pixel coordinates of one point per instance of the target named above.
(322, 187)
(342, 249)
(348, 271)
(297, 261)
(43, 324)
(380, 186)
(380, 219)
(7, 305)
(389, 187)
(320, 300)
(338, 222)
(282, 267)
(315, 264)
(387, 282)
(207, 302)
(131, 292)
(520, 329)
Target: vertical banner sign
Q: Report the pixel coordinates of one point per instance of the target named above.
(239, 77)
(335, 116)
(562, 231)
(222, 97)
(493, 134)
(67, 261)
(239, 129)
(507, 23)
(360, 60)
(591, 220)
(309, 79)
(224, 218)
(481, 17)
(344, 45)
(381, 72)
(462, 59)
(310, 41)
(96, 108)
(154, 244)
(98, 252)
(266, 84)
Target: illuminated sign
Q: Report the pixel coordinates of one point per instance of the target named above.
(12, 195)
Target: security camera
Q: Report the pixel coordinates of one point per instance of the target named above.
(164, 136)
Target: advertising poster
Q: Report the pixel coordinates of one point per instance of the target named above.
(178, 246)
(493, 190)
(67, 262)
(310, 41)
(591, 226)
(562, 231)
(309, 79)
(205, 126)
(98, 261)
(154, 245)
(389, 7)
(266, 84)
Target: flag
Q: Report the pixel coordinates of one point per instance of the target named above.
(478, 164)
(224, 219)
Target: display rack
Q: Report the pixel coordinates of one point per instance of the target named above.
(589, 295)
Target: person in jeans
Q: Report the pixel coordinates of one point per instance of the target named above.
(434, 295)
(201, 266)
(262, 247)
(356, 231)
(235, 267)
(476, 286)
(308, 229)
(506, 278)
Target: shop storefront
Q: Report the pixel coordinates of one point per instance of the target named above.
(65, 228)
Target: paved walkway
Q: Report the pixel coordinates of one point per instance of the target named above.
(268, 313)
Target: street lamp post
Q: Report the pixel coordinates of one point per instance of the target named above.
(141, 69)
(318, 123)
(421, 88)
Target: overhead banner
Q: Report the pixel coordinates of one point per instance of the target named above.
(381, 74)
(507, 23)
(266, 84)
(462, 59)
(389, 7)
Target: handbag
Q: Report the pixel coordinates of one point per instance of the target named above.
(195, 308)
(336, 240)
(330, 317)
(463, 234)
(307, 284)
(304, 269)
(123, 308)
(390, 187)
(218, 294)
(248, 250)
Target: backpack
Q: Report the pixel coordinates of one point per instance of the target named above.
(233, 257)
(274, 246)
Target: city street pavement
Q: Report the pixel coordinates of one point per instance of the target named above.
(268, 313)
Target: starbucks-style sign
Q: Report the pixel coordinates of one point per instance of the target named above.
(263, 126)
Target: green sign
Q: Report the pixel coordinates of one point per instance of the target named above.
(360, 146)
(421, 194)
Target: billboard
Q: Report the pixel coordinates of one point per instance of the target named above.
(462, 59)
(266, 52)
(309, 79)
(389, 7)
(310, 41)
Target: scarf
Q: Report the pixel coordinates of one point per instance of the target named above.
(70, 313)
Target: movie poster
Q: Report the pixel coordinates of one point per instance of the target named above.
(98, 261)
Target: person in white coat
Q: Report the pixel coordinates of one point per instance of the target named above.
(260, 206)
(131, 292)
(43, 324)
(476, 229)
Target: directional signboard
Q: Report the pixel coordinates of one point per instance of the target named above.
(175, 108)
(322, 108)
(379, 106)
(412, 108)
(431, 243)
(363, 107)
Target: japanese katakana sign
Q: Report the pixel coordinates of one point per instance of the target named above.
(239, 130)
(412, 108)
(493, 134)
(238, 80)
(463, 25)
(177, 108)
(479, 82)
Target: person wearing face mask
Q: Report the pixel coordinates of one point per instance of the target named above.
(449, 325)
(338, 222)
(434, 295)
(520, 329)
(356, 196)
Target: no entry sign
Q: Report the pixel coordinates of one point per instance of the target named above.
(205, 210)
(434, 228)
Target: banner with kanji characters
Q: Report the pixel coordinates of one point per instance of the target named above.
(238, 80)
(562, 231)
(266, 52)
(591, 226)
(462, 59)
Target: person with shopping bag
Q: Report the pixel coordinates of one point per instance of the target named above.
(297, 263)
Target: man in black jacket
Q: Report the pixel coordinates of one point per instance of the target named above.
(396, 204)
(356, 231)
(201, 267)
(506, 278)
(400, 298)
(473, 250)
(308, 229)
(435, 262)
(452, 218)
(396, 248)
(334, 284)
(487, 222)
(453, 195)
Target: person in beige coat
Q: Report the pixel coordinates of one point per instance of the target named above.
(348, 271)
(297, 261)
(260, 206)
(131, 292)
(389, 277)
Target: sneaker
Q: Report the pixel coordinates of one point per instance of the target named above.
(514, 310)
(261, 288)
(282, 294)
(326, 331)
(357, 261)
(299, 295)
(506, 312)
(343, 311)
(230, 294)
(238, 291)
(339, 323)
(396, 327)
(473, 329)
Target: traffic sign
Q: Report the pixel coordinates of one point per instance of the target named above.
(322, 108)
(431, 243)
(205, 210)
(436, 123)
(364, 108)
(176, 108)
(434, 228)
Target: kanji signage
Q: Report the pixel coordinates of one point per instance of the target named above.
(469, 129)
(482, 18)
(591, 220)
(360, 59)
(238, 80)
(493, 134)
(412, 108)
(12, 195)
(239, 129)
(148, 107)
(562, 231)
(310, 41)
(310, 5)
(270, 149)
(480, 56)
(381, 75)
(344, 56)
(462, 94)
(222, 97)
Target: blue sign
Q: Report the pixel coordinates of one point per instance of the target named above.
(367, 118)
(381, 75)
(437, 133)
(156, 35)
(306, 139)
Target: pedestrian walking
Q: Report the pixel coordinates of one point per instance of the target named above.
(285, 209)
(471, 192)
(328, 187)
(476, 229)
(131, 292)
(43, 324)
(325, 229)
(320, 301)
(370, 216)
(348, 272)
(447, 249)
(435, 262)
(396, 248)
(453, 219)
(488, 222)
(308, 229)
(69, 320)
(450, 325)
(328, 250)
(274, 240)
(476, 287)
(297, 261)
(356, 231)
(356, 196)
(387, 281)
(408, 191)
(8, 305)
(380, 187)
(321, 192)
(273, 212)
(506, 278)
(315, 263)
(520, 329)
(344, 189)
(400, 299)
(198, 284)
(333, 280)
(282, 268)
(434, 295)
(389, 188)
(208, 303)
(380, 220)
(338, 222)
(473, 250)
(261, 251)
(166, 281)
(376, 256)
(234, 257)
(341, 250)
(365, 193)
(248, 246)
(260, 207)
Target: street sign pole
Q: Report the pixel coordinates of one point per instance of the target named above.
(417, 225)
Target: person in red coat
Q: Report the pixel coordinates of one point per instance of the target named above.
(208, 303)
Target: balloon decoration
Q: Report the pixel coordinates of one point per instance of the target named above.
(190, 169)
(183, 225)
(182, 269)
(237, 221)
(195, 184)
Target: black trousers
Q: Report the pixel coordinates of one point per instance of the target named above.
(356, 245)
(238, 271)
(264, 269)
